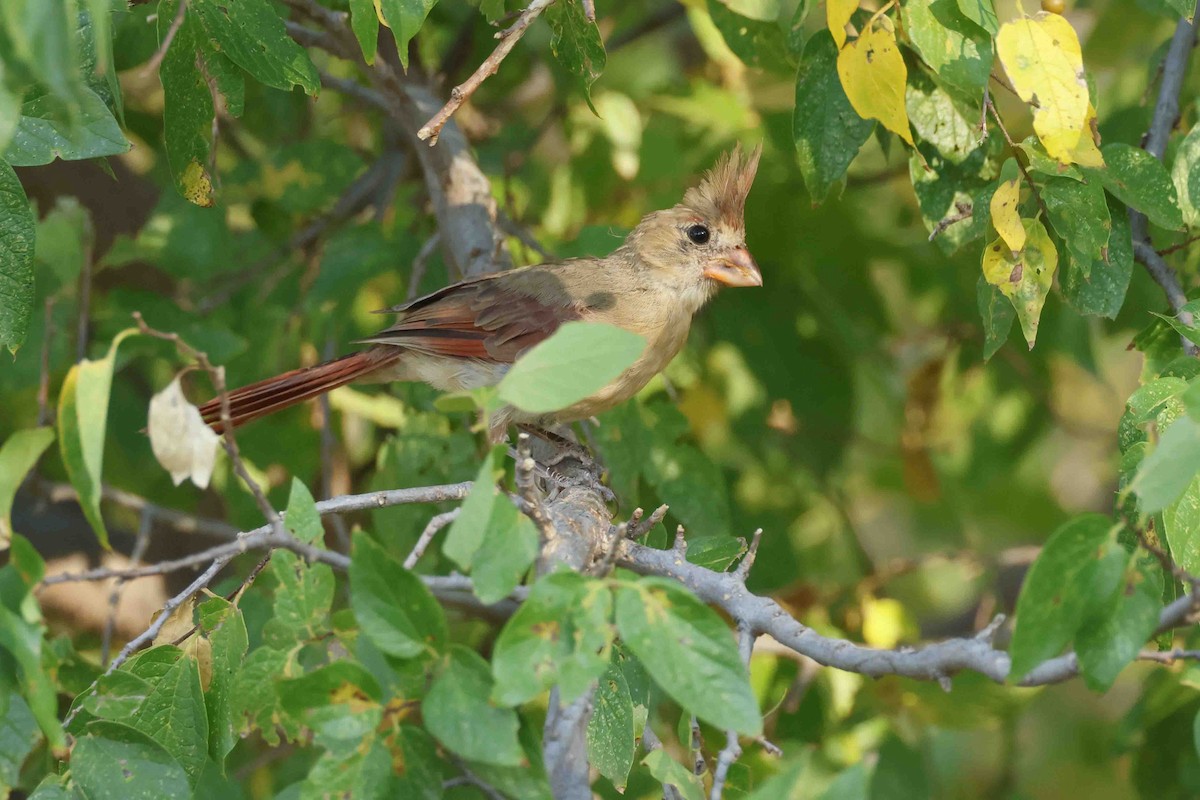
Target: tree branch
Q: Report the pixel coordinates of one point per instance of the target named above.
(934, 662)
(1166, 114)
(461, 93)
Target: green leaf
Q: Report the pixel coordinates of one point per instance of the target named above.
(174, 716)
(302, 600)
(469, 528)
(1138, 179)
(759, 43)
(851, 784)
(255, 698)
(339, 703)
(689, 652)
(982, 13)
(187, 106)
(222, 624)
(610, 736)
(1024, 276)
(48, 130)
(392, 605)
(365, 23)
(117, 762)
(405, 18)
(117, 696)
(17, 236)
(940, 120)
(18, 455)
(944, 188)
(22, 633)
(559, 636)
(509, 546)
(1079, 215)
(1043, 162)
(1069, 577)
(959, 53)
(64, 236)
(1101, 288)
(827, 130)
(693, 486)
(997, 315)
(1111, 639)
(1181, 526)
(671, 773)
(899, 774)
(576, 43)
(1168, 470)
(580, 359)
(360, 773)
(1185, 173)
(252, 35)
(18, 736)
(302, 518)
(82, 418)
(459, 714)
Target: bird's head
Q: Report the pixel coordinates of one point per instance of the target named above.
(699, 245)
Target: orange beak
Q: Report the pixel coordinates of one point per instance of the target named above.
(736, 269)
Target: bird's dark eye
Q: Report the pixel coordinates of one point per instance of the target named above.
(698, 234)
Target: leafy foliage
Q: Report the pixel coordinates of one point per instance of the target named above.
(866, 409)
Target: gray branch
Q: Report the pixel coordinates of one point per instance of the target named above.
(1166, 114)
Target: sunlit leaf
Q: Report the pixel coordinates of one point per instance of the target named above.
(1138, 179)
(82, 421)
(1024, 277)
(837, 17)
(1185, 174)
(873, 75)
(957, 50)
(581, 358)
(405, 18)
(1043, 61)
(1005, 208)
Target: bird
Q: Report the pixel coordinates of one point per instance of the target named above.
(468, 334)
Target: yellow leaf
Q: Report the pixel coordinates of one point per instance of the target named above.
(837, 16)
(196, 184)
(1087, 152)
(885, 622)
(1005, 217)
(1024, 277)
(873, 75)
(1042, 59)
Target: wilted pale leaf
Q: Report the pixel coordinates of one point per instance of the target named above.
(873, 75)
(182, 443)
(1006, 217)
(1042, 59)
(1024, 277)
(837, 16)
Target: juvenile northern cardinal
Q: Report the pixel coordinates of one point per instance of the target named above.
(466, 335)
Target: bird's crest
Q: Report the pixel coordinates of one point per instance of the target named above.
(721, 195)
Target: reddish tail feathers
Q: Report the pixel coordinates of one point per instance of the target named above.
(273, 394)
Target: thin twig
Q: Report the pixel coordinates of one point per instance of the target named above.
(733, 749)
(965, 211)
(156, 60)
(461, 93)
(179, 520)
(114, 599)
(437, 523)
(1166, 251)
(527, 487)
(265, 537)
(1016, 157)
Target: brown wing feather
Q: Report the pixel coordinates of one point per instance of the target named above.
(494, 318)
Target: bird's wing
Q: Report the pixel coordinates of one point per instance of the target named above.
(494, 318)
